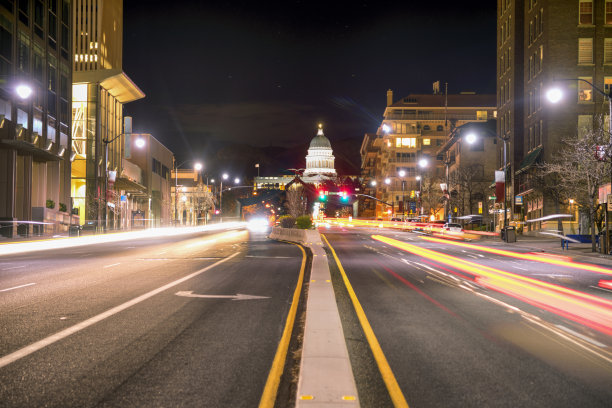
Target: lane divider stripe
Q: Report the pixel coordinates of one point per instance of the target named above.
(276, 371)
(34, 347)
(397, 397)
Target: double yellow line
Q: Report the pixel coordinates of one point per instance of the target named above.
(397, 397)
(274, 376)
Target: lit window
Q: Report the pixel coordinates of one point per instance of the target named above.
(585, 51)
(481, 115)
(607, 84)
(586, 12)
(608, 12)
(426, 142)
(398, 142)
(585, 91)
(408, 142)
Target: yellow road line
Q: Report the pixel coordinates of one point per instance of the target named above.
(271, 388)
(397, 397)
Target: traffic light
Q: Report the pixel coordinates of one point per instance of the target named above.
(344, 196)
(322, 195)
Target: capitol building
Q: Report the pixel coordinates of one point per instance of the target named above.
(319, 166)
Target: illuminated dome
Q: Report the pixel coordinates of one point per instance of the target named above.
(320, 158)
(320, 141)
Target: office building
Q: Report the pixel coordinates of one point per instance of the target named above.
(35, 121)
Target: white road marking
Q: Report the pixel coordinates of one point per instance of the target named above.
(518, 267)
(580, 336)
(27, 350)
(115, 264)
(238, 296)
(13, 267)
(266, 256)
(17, 287)
(597, 287)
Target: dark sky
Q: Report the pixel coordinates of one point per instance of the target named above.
(266, 73)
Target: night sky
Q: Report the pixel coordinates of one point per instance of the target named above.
(265, 73)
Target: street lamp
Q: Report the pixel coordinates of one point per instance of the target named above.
(197, 166)
(554, 95)
(23, 91)
(471, 138)
(402, 174)
(388, 182)
(423, 163)
(140, 143)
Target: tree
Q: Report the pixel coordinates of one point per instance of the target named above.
(204, 201)
(296, 200)
(468, 188)
(431, 195)
(577, 173)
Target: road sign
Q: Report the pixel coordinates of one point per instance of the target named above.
(492, 197)
(609, 202)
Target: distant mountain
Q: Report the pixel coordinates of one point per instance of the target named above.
(276, 160)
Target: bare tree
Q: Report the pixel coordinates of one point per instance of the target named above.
(296, 201)
(204, 201)
(577, 172)
(431, 195)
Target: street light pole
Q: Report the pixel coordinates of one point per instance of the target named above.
(402, 174)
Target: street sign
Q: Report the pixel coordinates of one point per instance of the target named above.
(480, 207)
(518, 200)
(492, 197)
(609, 202)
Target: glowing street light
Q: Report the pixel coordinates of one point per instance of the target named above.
(373, 183)
(23, 91)
(554, 95)
(236, 180)
(198, 166)
(140, 143)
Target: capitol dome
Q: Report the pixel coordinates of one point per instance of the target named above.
(320, 141)
(320, 158)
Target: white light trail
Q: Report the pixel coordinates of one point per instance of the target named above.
(41, 245)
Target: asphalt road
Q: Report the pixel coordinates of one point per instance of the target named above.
(455, 337)
(138, 335)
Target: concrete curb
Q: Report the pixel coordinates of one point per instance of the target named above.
(326, 377)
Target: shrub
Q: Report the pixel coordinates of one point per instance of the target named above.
(50, 204)
(303, 222)
(287, 221)
(62, 207)
(75, 211)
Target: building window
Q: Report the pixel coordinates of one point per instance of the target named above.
(585, 51)
(607, 84)
(405, 142)
(608, 51)
(585, 91)
(608, 11)
(426, 142)
(586, 12)
(481, 115)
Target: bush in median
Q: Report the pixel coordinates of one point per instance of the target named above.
(303, 222)
(287, 221)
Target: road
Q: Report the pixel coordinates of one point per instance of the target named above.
(459, 326)
(152, 322)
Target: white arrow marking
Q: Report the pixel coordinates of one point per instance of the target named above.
(238, 296)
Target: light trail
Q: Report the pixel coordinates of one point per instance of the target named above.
(545, 258)
(11, 248)
(588, 310)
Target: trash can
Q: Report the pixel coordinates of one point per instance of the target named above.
(74, 231)
(510, 233)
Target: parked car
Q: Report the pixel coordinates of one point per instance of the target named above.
(452, 228)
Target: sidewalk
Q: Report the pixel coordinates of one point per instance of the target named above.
(578, 251)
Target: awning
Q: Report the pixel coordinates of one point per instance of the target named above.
(123, 183)
(118, 84)
(529, 160)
